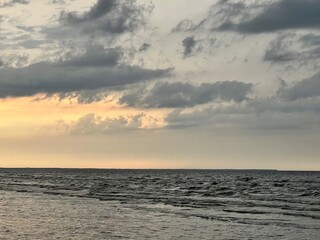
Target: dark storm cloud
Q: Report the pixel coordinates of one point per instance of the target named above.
(188, 44)
(280, 15)
(180, 95)
(94, 70)
(107, 16)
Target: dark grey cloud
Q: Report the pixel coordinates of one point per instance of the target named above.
(31, 43)
(189, 44)
(270, 113)
(278, 50)
(101, 8)
(82, 96)
(177, 119)
(295, 106)
(51, 78)
(57, 1)
(95, 56)
(292, 47)
(144, 47)
(184, 26)
(279, 15)
(107, 16)
(223, 15)
(310, 39)
(180, 95)
(26, 28)
(94, 70)
(24, 36)
(24, 40)
(306, 88)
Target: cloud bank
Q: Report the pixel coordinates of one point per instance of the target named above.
(181, 95)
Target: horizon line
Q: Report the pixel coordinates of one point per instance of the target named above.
(199, 169)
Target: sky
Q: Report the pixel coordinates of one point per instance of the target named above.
(160, 84)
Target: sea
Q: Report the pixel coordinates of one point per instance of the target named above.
(159, 204)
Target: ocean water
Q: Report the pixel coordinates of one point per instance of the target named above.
(158, 204)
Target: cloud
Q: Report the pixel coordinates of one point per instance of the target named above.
(184, 26)
(306, 88)
(180, 95)
(82, 96)
(57, 1)
(96, 69)
(189, 45)
(144, 47)
(95, 56)
(31, 43)
(106, 16)
(295, 106)
(13, 2)
(311, 39)
(278, 50)
(279, 15)
(287, 47)
(255, 114)
(101, 8)
(94, 124)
